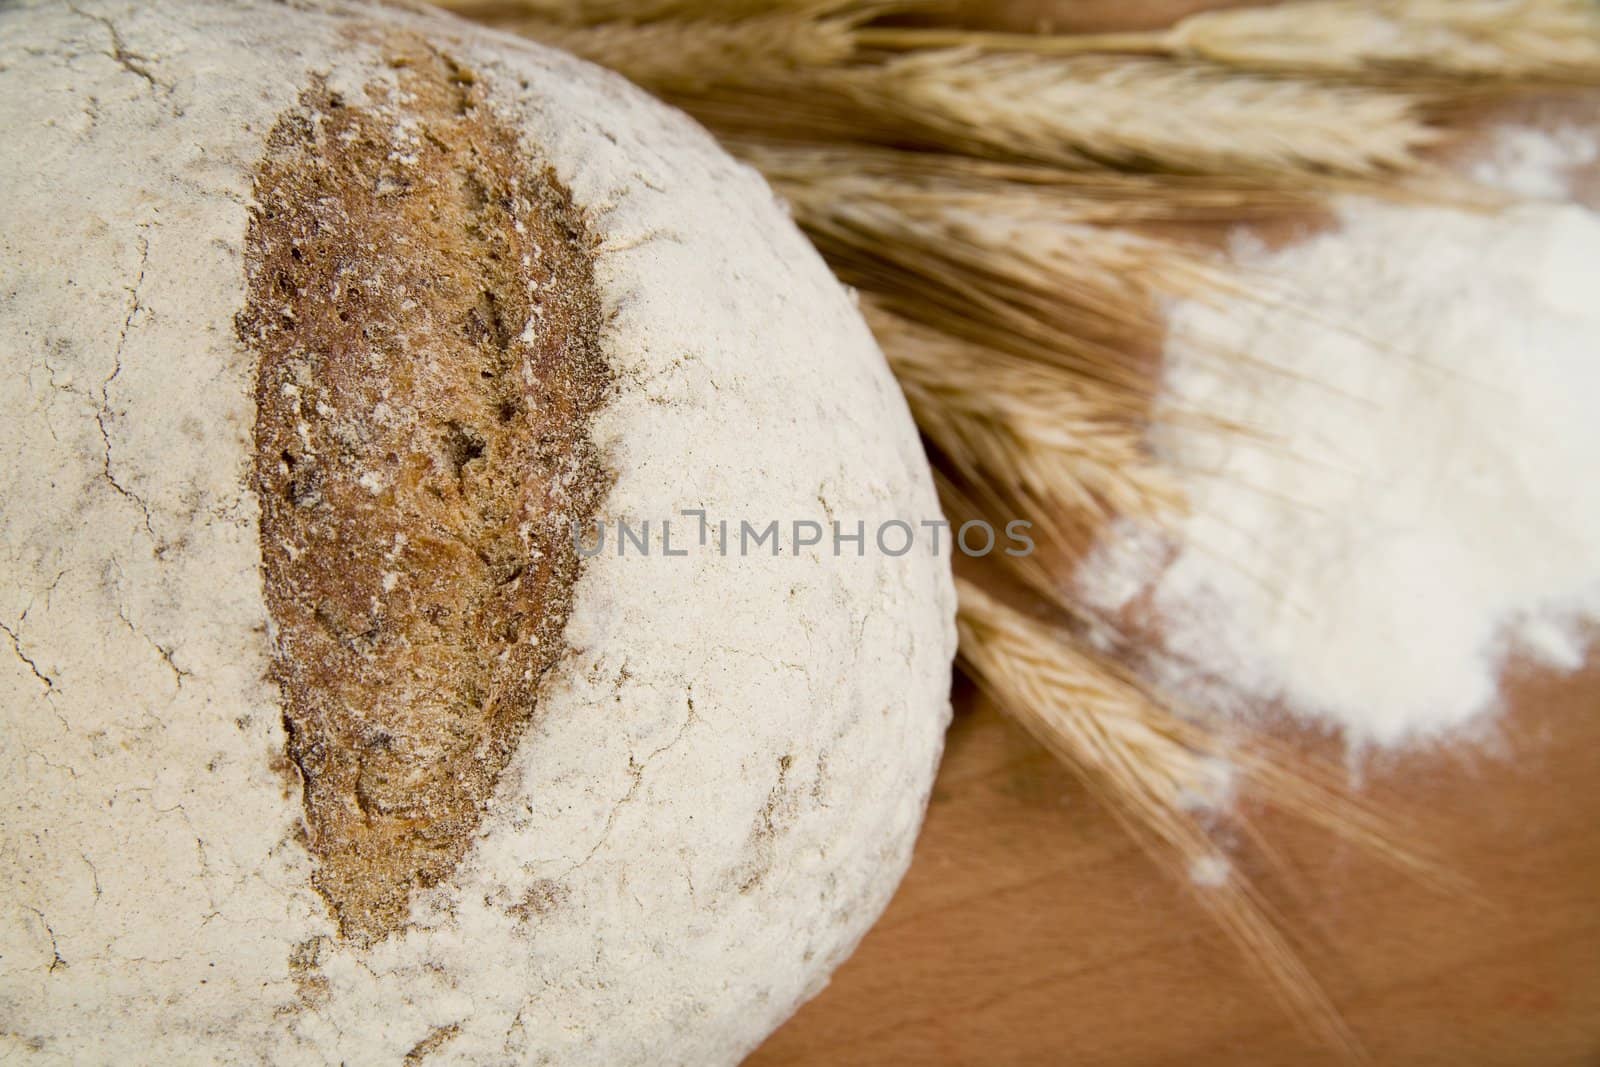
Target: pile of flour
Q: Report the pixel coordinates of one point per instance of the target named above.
(1391, 452)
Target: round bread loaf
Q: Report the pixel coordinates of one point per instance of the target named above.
(323, 326)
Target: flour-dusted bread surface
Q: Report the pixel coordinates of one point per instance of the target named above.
(320, 742)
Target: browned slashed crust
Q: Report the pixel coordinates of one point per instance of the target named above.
(422, 305)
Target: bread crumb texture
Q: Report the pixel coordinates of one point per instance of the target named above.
(424, 307)
(281, 788)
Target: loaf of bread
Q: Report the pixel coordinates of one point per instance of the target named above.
(323, 327)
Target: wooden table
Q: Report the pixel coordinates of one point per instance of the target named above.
(1032, 930)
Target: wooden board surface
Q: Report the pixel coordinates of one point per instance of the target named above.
(1032, 930)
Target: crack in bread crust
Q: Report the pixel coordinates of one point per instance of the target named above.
(422, 306)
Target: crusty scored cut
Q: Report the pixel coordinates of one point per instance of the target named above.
(415, 517)
(322, 742)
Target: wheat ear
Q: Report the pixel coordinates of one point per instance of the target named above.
(949, 182)
(1138, 113)
(1538, 41)
(1079, 112)
(1146, 764)
(1087, 113)
(1080, 297)
(1066, 454)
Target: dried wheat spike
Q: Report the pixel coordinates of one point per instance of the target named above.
(1146, 764)
(1064, 454)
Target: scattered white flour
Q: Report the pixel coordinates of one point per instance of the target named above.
(1534, 162)
(1409, 493)
(1210, 871)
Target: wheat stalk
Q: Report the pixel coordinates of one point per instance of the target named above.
(1155, 770)
(1539, 41)
(686, 58)
(1088, 113)
(1077, 112)
(1141, 114)
(1081, 297)
(1284, 780)
(944, 182)
(1059, 451)
(1145, 763)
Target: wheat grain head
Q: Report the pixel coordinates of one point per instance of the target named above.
(1536, 40)
(1144, 763)
(1064, 454)
(945, 181)
(1083, 298)
(1415, 42)
(1143, 114)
